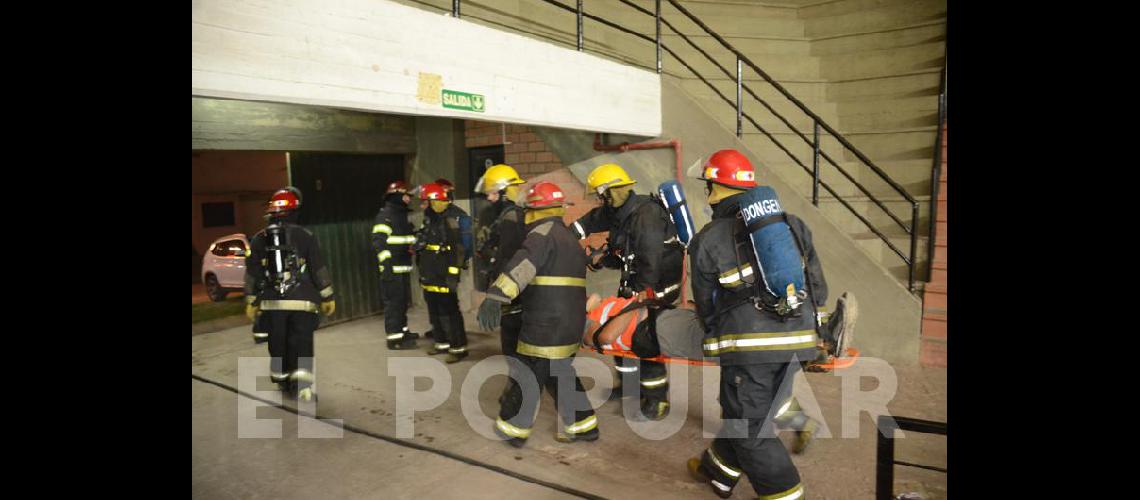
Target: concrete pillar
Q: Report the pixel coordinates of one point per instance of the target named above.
(441, 152)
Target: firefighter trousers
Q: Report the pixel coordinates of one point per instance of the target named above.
(446, 321)
(653, 376)
(750, 398)
(518, 410)
(291, 345)
(395, 293)
(509, 328)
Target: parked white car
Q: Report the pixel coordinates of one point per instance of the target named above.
(223, 266)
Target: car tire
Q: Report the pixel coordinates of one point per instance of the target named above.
(214, 289)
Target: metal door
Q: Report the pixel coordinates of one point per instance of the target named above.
(341, 194)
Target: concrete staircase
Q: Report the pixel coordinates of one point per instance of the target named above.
(890, 316)
(869, 68)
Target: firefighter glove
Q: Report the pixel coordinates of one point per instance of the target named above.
(328, 307)
(490, 314)
(251, 312)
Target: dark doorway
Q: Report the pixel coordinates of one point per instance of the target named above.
(341, 194)
(479, 160)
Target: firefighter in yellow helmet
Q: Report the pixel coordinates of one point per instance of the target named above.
(501, 185)
(643, 244)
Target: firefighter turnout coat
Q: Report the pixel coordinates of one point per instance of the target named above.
(724, 273)
(548, 274)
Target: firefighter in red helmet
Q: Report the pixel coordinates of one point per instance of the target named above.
(548, 276)
(759, 350)
(392, 239)
(287, 283)
(440, 256)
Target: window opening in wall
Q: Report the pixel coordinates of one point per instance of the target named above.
(218, 214)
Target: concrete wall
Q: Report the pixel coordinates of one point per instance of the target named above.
(264, 126)
(381, 56)
(441, 152)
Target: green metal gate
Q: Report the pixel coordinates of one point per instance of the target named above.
(341, 195)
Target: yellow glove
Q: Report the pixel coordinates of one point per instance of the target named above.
(328, 307)
(251, 311)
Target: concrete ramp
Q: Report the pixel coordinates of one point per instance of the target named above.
(889, 316)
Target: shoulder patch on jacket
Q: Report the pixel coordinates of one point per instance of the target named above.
(510, 215)
(543, 229)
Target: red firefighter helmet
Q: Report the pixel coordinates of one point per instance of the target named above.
(284, 200)
(447, 185)
(434, 191)
(397, 187)
(545, 195)
(728, 167)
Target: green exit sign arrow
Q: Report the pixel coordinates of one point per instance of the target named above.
(454, 99)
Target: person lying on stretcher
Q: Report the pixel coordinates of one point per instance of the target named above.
(623, 325)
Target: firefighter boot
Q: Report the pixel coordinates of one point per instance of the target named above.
(307, 394)
(564, 437)
(454, 356)
(513, 441)
(281, 380)
(697, 471)
(654, 408)
(804, 437)
(405, 342)
(574, 432)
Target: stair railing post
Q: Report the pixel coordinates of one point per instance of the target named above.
(815, 165)
(658, 16)
(739, 108)
(885, 459)
(913, 243)
(455, 9)
(579, 25)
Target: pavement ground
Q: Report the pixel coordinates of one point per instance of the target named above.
(447, 457)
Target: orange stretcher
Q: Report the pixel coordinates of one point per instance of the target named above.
(614, 306)
(833, 364)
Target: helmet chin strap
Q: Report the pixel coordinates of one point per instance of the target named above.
(290, 216)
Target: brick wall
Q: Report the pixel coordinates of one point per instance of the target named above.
(933, 351)
(535, 162)
(523, 149)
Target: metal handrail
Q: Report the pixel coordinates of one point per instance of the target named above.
(787, 123)
(818, 123)
(885, 450)
(842, 140)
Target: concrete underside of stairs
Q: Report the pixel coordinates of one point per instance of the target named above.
(890, 316)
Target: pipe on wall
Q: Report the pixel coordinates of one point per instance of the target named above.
(675, 145)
